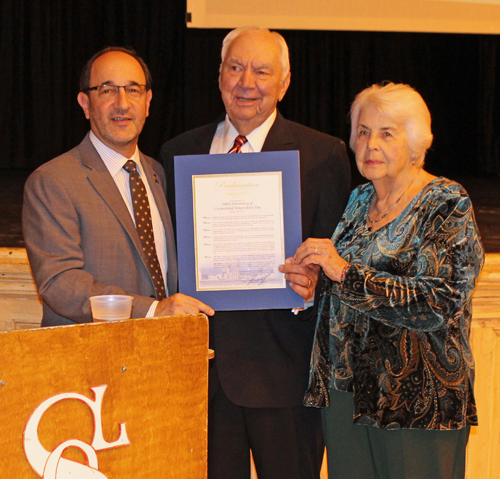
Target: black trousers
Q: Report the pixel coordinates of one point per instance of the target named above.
(286, 443)
(363, 452)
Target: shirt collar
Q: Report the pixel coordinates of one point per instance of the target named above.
(113, 160)
(255, 139)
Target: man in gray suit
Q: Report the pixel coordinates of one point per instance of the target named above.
(79, 216)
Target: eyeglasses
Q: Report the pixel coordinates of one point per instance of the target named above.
(111, 91)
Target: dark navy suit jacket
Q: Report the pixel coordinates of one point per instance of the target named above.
(262, 357)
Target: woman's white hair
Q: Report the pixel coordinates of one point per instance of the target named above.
(280, 41)
(404, 106)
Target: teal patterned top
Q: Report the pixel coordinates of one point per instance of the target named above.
(395, 333)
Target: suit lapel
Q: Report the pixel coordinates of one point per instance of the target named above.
(204, 142)
(279, 137)
(105, 186)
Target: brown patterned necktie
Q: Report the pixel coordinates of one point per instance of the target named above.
(144, 226)
(238, 143)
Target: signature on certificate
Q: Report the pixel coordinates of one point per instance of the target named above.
(260, 276)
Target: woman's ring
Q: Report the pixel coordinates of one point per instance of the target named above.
(309, 284)
(315, 250)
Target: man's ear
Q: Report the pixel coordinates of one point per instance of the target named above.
(84, 102)
(286, 84)
(149, 95)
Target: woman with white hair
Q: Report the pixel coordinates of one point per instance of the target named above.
(392, 363)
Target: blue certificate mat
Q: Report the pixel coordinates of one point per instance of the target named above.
(238, 219)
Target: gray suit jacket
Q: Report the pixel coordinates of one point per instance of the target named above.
(81, 240)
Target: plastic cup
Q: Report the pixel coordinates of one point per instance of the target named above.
(111, 307)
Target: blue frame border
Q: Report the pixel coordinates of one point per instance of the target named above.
(288, 163)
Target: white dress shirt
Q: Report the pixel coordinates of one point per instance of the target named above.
(226, 133)
(114, 163)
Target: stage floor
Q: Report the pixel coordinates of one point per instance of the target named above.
(484, 191)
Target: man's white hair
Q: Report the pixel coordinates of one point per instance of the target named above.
(280, 42)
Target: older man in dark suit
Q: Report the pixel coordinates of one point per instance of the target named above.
(260, 370)
(84, 231)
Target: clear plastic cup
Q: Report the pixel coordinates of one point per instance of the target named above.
(111, 307)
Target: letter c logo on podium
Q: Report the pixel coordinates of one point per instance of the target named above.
(51, 465)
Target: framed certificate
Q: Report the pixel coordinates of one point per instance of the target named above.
(238, 219)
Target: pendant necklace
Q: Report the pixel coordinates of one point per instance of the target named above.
(372, 222)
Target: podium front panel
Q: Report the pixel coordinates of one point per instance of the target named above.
(105, 400)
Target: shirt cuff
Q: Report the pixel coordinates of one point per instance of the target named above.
(152, 309)
(307, 305)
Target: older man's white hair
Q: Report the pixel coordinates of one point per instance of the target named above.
(280, 42)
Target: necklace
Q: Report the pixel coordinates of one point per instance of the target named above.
(372, 222)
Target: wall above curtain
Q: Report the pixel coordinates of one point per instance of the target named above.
(434, 16)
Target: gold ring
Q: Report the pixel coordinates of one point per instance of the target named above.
(309, 284)
(315, 250)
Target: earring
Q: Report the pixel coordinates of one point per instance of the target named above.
(413, 158)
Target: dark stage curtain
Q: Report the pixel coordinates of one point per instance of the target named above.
(43, 46)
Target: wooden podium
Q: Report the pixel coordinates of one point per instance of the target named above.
(105, 400)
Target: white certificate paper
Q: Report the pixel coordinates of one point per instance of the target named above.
(238, 231)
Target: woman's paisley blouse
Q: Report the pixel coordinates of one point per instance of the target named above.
(395, 333)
